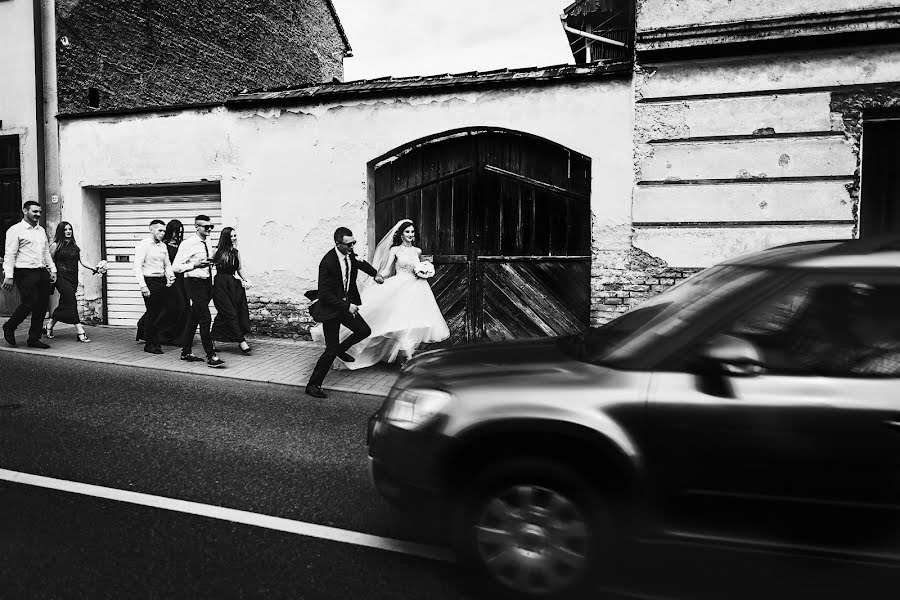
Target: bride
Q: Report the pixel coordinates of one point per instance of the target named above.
(402, 312)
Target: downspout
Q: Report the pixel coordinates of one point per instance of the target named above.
(37, 18)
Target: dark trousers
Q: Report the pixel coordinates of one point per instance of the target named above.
(332, 329)
(154, 304)
(34, 291)
(200, 292)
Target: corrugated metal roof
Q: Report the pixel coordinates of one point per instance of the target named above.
(388, 85)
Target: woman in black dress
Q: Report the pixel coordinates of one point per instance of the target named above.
(232, 320)
(67, 256)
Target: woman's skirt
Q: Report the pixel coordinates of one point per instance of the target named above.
(67, 310)
(232, 320)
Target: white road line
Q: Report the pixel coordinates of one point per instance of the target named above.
(229, 514)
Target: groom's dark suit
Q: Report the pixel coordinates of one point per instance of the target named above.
(334, 309)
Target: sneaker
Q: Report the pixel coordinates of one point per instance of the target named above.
(214, 363)
(38, 344)
(190, 358)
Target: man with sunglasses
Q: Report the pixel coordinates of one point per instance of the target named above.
(193, 259)
(338, 300)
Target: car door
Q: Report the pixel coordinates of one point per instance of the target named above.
(801, 449)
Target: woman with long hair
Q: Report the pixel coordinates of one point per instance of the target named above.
(232, 320)
(67, 256)
(402, 312)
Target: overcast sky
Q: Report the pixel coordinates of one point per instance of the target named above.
(427, 37)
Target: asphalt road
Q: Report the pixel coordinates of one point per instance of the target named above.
(265, 450)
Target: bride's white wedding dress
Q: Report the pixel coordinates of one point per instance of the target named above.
(402, 313)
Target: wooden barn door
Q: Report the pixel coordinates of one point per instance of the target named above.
(506, 220)
(533, 219)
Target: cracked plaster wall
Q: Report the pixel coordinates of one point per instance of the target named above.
(290, 176)
(657, 14)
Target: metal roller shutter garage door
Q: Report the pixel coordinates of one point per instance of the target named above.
(127, 222)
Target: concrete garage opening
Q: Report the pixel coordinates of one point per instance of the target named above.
(127, 213)
(506, 218)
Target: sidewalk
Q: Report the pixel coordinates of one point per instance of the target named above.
(273, 360)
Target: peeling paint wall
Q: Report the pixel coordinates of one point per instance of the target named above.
(290, 176)
(658, 14)
(734, 155)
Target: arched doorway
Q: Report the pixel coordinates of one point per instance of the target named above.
(506, 219)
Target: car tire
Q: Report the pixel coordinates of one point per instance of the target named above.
(532, 528)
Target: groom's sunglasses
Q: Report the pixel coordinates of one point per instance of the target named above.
(350, 245)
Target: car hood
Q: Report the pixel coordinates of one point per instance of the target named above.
(494, 360)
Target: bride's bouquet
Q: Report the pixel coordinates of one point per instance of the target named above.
(101, 268)
(424, 270)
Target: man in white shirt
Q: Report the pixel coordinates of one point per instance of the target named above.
(193, 259)
(29, 266)
(154, 274)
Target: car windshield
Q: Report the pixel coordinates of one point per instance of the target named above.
(662, 316)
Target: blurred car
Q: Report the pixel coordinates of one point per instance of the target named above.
(756, 404)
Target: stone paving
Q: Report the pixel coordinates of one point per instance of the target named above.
(286, 362)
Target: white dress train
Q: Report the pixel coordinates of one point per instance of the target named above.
(402, 313)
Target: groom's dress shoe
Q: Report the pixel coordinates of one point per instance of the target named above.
(315, 391)
(346, 357)
(9, 335)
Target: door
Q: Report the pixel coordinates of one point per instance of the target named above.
(506, 219)
(805, 452)
(128, 217)
(10, 207)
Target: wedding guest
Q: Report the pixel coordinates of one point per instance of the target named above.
(153, 272)
(28, 264)
(67, 256)
(193, 260)
(229, 296)
(176, 304)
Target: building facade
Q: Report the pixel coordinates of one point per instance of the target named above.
(80, 56)
(549, 198)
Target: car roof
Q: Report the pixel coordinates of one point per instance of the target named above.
(877, 252)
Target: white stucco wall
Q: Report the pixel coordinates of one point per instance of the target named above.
(656, 14)
(710, 123)
(290, 176)
(17, 93)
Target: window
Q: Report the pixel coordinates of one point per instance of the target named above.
(879, 207)
(849, 328)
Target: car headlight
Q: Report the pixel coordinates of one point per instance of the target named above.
(413, 408)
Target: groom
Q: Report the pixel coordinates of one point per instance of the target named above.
(339, 305)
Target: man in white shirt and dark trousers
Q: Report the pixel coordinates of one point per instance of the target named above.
(193, 259)
(29, 266)
(154, 274)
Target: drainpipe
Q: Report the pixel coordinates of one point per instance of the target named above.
(37, 18)
(53, 210)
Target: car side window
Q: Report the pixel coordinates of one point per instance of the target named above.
(843, 329)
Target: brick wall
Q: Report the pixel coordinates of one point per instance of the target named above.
(622, 279)
(163, 52)
(278, 318)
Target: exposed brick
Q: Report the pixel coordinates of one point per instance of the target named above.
(164, 52)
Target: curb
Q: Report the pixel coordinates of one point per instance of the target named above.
(208, 373)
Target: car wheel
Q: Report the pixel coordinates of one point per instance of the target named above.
(532, 529)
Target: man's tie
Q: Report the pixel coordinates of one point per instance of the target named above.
(346, 274)
(209, 268)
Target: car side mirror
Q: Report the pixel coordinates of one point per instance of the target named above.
(734, 356)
